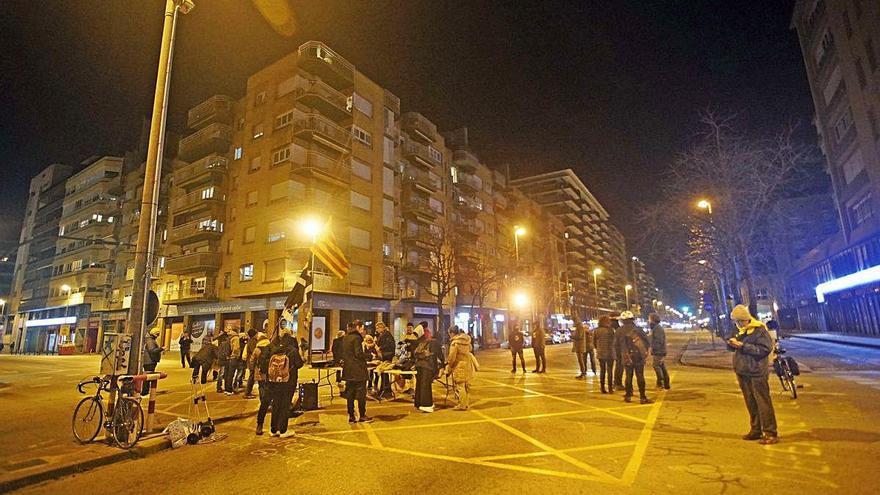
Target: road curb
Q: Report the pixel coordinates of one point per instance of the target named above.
(864, 345)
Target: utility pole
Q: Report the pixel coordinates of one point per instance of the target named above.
(143, 260)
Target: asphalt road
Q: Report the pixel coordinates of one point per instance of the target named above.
(524, 434)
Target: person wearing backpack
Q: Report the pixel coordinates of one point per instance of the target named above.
(283, 370)
(633, 346)
(261, 355)
(354, 372)
(658, 350)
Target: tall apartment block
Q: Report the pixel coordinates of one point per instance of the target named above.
(644, 289)
(840, 42)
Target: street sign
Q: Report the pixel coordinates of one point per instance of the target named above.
(708, 307)
(152, 310)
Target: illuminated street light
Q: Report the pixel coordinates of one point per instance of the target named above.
(705, 205)
(311, 227)
(517, 231)
(521, 300)
(626, 289)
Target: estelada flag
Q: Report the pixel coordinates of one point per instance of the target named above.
(327, 250)
(299, 295)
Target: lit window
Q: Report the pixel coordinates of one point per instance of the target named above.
(208, 193)
(237, 153)
(435, 154)
(258, 130)
(246, 272)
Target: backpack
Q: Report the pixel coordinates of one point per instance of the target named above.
(636, 350)
(279, 368)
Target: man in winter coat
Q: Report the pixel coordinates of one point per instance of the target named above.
(515, 341)
(579, 348)
(462, 365)
(354, 372)
(752, 346)
(603, 338)
(618, 359)
(151, 356)
(185, 342)
(658, 350)
(426, 369)
(633, 346)
(590, 352)
(233, 360)
(539, 342)
(224, 349)
(204, 359)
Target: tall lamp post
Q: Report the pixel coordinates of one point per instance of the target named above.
(596, 273)
(312, 228)
(626, 289)
(517, 231)
(66, 288)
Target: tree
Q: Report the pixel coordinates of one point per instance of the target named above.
(477, 276)
(441, 281)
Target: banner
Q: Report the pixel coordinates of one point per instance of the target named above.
(319, 334)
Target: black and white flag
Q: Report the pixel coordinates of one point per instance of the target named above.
(299, 295)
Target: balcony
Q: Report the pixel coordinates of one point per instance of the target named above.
(205, 228)
(421, 235)
(196, 201)
(419, 128)
(465, 160)
(327, 282)
(191, 293)
(419, 154)
(425, 181)
(470, 182)
(214, 138)
(335, 171)
(501, 201)
(468, 229)
(468, 206)
(217, 108)
(325, 99)
(418, 265)
(420, 209)
(192, 262)
(316, 58)
(324, 131)
(210, 169)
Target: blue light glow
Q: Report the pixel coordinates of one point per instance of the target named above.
(866, 276)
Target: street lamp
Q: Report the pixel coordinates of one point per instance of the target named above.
(517, 231)
(704, 204)
(311, 227)
(626, 289)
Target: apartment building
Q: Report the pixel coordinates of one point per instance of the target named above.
(835, 285)
(644, 289)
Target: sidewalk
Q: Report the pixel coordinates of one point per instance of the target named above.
(833, 338)
(701, 355)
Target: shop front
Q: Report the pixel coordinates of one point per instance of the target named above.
(486, 327)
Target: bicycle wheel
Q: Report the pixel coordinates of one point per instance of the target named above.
(87, 419)
(128, 422)
(792, 386)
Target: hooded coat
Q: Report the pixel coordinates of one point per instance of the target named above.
(461, 361)
(752, 358)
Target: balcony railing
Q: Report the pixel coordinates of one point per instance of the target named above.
(197, 199)
(465, 160)
(215, 109)
(420, 206)
(418, 127)
(421, 178)
(214, 138)
(192, 262)
(325, 99)
(469, 181)
(324, 130)
(191, 293)
(317, 58)
(335, 170)
(200, 169)
(204, 228)
(326, 282)
(418, 153)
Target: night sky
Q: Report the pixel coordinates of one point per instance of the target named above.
(611, 92)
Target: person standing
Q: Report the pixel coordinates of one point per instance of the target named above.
(515, 341)
(426, 370)
(232, 363)
(204, 359)
(618, 359)
(354, 372)
(261, 355)
(185, 342)
(282, 389)
(223, 351)
(253, 339)
(579, 348)
(589, 351)
(633, 346)
(752, 346)
(151, 356)
(462, 365)
(658, 350)
(603, 337)
(539, 342)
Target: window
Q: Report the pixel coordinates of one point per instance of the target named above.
(862, 211)
(237, 153)
(362, 104)
(387, 150)
(389, 119)
(261, 98)
(277, 231)
(359, 275)
(198, 285)
(279, 191)
(359, 238)
(281, 155)
(76, 265)
(387, 181)
(256, 162)
(362, 136)
(436, 205)
(843, 124)
(257, 131)
(435, 154)
(284, 119)
(360, 201)
(250, 233)
(211, 225)
(227, 280)
(252, 198)
(246, 272)
(361, 169)
(853, 167)
(388, 213)
(208, 192)
(274, 270)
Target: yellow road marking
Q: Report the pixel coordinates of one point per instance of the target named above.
(371, 434)
(545, 453)
(635, 461)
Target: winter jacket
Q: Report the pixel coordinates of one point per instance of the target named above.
(539, 338)
(425, 354)
(579, 340)
(207, 354)
(625, 333)
(223, 349)
(354, 358)
(386, 346)
(185, 343)
(516, 340)
(152, 351)
(752, 358)
(603, 337)
(249, 352)
(461, 361)
(658, 340)
(288, 346)
(260, 358)
(588, 340)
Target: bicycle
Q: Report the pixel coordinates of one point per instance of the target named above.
(126, 423)
(785, 371)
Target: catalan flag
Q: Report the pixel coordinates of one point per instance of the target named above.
(327, 250)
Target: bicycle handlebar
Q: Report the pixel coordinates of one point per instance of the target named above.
(97, 380)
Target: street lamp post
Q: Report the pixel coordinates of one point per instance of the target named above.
(596, 273)
(626, 289)
(66, 288)
(705, 205)
(311, 227)
(517, 231)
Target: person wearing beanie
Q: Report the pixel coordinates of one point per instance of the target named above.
(752, 346)
(151, 355)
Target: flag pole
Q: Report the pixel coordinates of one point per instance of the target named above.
(311, 294)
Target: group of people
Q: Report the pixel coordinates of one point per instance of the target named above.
(621, 347)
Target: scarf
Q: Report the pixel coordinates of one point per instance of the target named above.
(749, 328)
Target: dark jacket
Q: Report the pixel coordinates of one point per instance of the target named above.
(604, 340)
(288, 345)
(152, 351)
(426, 353)
(386, 346)
(185, 342)
(207, 354)
(751, 358)
(354, 358)
(658, 340)
(516, 340)
(625, 333)
(336, 349)
(224, 349)
(539, 338)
